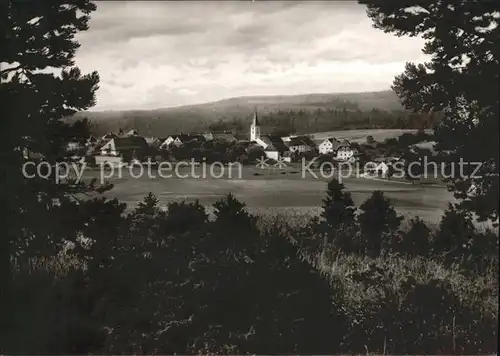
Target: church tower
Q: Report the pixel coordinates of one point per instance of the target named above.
(255, 128)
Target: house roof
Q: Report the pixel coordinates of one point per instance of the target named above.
(182, 137)
(336, 144)
(153, 140)
(132, 132)
(223, 136)
(275, 143)
(109, 136)
(129, 142)
(301, 140)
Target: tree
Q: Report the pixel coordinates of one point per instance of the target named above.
(232, 221)
(416, 241)
(455, 235)
(460, 80)
(378, 221)
(36, 36)
(338, 215)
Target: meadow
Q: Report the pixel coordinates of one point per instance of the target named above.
(272, 189)
(360, 135)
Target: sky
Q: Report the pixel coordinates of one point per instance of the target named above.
(161, 54)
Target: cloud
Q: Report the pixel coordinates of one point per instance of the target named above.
(157, 54)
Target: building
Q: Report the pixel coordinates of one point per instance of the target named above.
(300, 144)
(176, 140)
(220, 136)
(273, 145)
(154, 141)
(132, 132)
(345, 152)
(179, 140)
(255, 128)
(382, 170)
(329, 145)
(341, 150)
(75, 145)
(126, 147)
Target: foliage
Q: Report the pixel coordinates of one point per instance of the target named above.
(338, 217)
(416, 241)
(460, 80)
(377, 222)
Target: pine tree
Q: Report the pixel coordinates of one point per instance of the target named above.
(36, 36)
(338, 216)
(455, 235)
(378, 221)
(416, 241)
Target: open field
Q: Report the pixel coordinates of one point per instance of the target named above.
(273, 189)
(360, 135)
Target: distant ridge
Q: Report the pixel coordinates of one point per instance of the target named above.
(197, 116)
(381, 100)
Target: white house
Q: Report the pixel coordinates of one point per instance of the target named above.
(176, 140)
(123, 145)
(328, 145)
(341, 150)
(382, 169)
(344, 153)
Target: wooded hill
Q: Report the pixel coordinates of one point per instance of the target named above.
(292, 113)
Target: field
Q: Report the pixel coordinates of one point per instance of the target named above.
(274, 189)
(359, 136)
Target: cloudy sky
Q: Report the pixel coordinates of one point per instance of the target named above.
(159, 54)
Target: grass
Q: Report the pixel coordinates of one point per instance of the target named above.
(479, 290)
(360, 135)
(270, 190)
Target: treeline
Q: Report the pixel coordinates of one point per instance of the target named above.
(279, 122)
(303, 121)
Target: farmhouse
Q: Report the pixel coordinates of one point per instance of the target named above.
(124, 146)
(345, 152)
(328, 146)
(177, 140)
(301, 144)
(220, 136)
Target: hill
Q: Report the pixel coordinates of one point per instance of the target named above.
(200, 116)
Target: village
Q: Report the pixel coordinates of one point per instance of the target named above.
(130, 147)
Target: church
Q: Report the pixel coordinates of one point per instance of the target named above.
(273, 145)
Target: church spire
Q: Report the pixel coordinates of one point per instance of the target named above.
(255, 128)
(255, 117)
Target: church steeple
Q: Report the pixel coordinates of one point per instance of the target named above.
(255, 128)
(255, 117)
